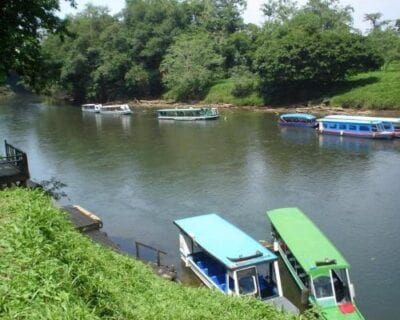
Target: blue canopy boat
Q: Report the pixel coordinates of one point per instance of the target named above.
(305, 120)
(373, 129)
(229, 260)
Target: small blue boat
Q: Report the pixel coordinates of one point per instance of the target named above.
(373, 129)
(304, 120)
(229, 260)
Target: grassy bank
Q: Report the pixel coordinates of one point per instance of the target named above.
(379, 90)
(49, 271)
(222, 93)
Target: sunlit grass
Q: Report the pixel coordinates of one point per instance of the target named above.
(221, 92)
(381, 93)
(49, 271)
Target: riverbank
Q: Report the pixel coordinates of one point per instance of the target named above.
(49, 270)
(369, 93)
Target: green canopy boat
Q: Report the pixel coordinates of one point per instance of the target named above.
(316, 265)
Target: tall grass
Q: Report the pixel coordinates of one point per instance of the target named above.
(49, 271)
(221, 92)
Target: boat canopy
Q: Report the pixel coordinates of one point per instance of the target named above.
(225, 242)
(182, 109)
(351, 121)
(305, 116)
(350, 117)
(313, 251)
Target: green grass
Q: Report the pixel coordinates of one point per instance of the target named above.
(49, 271)
(221, 93)
(372, 90)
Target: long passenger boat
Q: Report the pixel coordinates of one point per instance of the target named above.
(115, 109)
(389, 124)
(227, 259)
(357, 128)
(91, 107)
(316, 265)
(304, 120)
(188, 114)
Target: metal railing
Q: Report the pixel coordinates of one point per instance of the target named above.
(138, 245)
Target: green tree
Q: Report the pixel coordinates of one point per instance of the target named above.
(190, 66)
(312, 50)
(22, 26)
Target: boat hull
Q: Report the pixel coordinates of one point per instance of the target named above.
(298, 124)
(214, 117)
(367, 135)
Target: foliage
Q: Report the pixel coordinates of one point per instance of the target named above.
(313, 49)
(49, 271)
(221, 92)
(190, 66)
(22, 24)
(244, 82)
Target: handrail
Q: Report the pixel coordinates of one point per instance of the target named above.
(17, 158)
(159, 252)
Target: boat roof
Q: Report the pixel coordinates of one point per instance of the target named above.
(224, 241)
(355, 121)
(306, 242)
(183, 109)
(307, 116)
(383, 119)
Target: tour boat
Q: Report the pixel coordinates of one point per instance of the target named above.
(316, 265)
(91, 107)
(389, 124)
(305, 120)
(188, 114)
(230, 261)
(357, 128)
(115, 109)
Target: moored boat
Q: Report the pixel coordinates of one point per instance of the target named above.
(305, 120)
(91, 107)
(188, 114)
(229, 260)
(315, 264)
(389, 124)
(115, 109)
(373, 129)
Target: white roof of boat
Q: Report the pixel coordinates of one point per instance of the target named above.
(349, 121)
(383, 119)
(184, 109)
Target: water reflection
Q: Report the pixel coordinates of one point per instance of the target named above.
(297, 135)
(356, 145)
(104, 121)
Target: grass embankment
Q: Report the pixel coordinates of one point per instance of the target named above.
(49, 271)
(378, 90)
(222, 93)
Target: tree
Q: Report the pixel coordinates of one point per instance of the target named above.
(190, 66)
(22, 25)
(279, 11)
(312, 50)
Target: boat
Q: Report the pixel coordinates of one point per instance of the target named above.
(389, 124)
(373, 129)
(317, 267)
(188, 114)
(227, 259)
(91, 107)
(115, 109)
(304, 120)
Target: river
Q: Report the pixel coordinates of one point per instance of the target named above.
(139, 174)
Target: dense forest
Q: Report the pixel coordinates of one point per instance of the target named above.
(178, 49)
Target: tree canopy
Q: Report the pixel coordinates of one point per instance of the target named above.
(182, 47)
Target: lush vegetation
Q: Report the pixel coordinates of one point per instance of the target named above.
(49, 271)
(180, 49)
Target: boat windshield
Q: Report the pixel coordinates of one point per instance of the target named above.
(323, 287)
(247, 281)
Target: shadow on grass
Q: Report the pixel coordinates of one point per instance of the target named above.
(314, 92)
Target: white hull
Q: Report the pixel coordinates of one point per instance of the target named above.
(188, 118)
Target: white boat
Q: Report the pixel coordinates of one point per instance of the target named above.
(115, 109)
(188, 114)
(91, 107)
